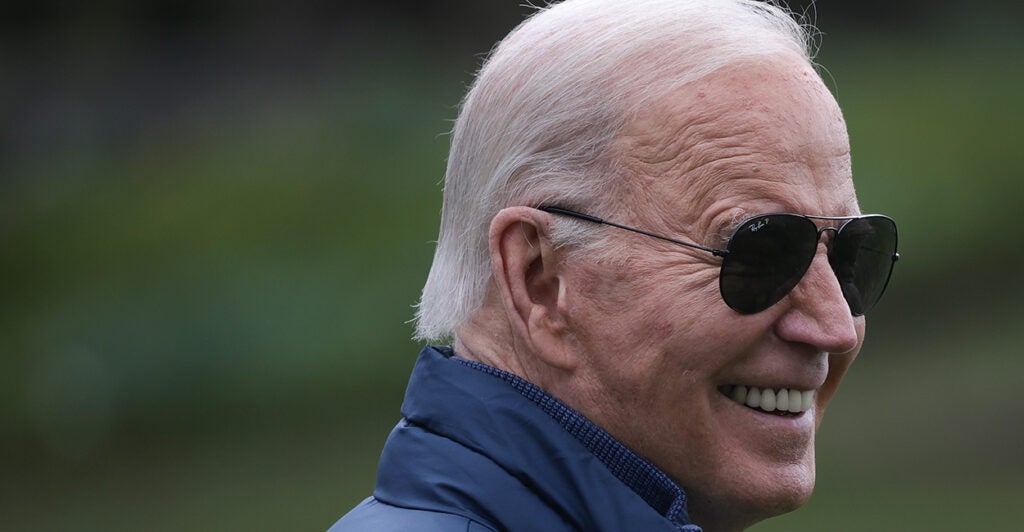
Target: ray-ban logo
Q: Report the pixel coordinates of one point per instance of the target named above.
(758, 225)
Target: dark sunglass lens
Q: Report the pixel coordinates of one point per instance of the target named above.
(862, 257)
(767, 257)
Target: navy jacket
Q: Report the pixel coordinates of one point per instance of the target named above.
(480, 450)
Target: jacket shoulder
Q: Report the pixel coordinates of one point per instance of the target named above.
(376, 516)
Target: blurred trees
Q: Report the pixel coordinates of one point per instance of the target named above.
(216, 216)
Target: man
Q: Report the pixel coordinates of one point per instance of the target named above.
(639, 343)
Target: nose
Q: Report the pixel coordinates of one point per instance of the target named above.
(817, 314)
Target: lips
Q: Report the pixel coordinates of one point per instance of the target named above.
(779, 401)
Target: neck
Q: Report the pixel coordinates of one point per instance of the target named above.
(487, 338)
(489, 344)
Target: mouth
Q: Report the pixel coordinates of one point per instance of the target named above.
(784, 402)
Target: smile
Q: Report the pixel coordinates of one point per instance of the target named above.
(778, 401)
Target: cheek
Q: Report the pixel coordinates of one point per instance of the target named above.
(608, 290)
(684, 315)
(640, 312)
(649, 316)
(662, 325)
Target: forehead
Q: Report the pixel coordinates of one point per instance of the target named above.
(750, 138)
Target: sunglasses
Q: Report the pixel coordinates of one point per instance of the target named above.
(768, 254)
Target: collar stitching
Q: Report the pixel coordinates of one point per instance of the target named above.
(641, 476)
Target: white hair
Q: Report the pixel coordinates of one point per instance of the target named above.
(537, 124)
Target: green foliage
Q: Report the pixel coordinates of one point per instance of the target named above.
(218, 312)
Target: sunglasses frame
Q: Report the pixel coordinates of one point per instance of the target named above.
(724, 252)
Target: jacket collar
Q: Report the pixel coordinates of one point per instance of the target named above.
(595, 481)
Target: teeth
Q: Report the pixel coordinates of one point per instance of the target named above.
(753, 397)
(796, 402)
(768, 400)
(807, 401)
(783, 400)
(739, 394)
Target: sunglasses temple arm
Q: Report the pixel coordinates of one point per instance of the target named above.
(595, 219)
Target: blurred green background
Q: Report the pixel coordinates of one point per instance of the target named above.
(215, 219)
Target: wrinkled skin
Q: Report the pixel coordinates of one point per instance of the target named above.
(638, 338)
(657, 338)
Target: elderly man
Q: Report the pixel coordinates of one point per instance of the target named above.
(653, 271)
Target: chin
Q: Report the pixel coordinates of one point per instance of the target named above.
(753, 499)
(787, 499)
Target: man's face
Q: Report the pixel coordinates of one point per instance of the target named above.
(661, 348)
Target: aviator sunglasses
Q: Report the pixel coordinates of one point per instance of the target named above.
(768, 254)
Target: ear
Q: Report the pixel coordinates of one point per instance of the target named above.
(526, 271)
